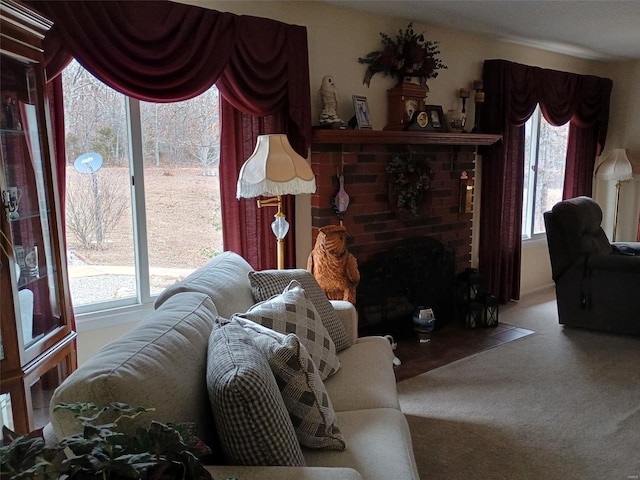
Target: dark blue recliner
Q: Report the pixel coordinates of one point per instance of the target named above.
(597, 282)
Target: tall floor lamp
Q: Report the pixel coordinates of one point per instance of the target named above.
(275, 169)
(616, 167)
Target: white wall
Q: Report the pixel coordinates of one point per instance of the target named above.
(337, 37)
(624, 132)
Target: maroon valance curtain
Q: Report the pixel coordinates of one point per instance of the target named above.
(512, 92)
(161, 51)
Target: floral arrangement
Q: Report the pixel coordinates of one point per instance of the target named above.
(409, 55)
(410, 177)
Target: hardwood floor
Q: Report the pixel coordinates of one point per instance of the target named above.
(448, 344)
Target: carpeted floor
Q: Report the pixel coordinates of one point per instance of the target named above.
(557, 404)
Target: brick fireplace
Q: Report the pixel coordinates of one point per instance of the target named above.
(372, 223)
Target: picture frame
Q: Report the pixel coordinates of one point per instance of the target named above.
(437, 121)
(361, 108)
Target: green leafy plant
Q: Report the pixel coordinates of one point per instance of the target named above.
(104, 451)
(408, 55)
(410, 176)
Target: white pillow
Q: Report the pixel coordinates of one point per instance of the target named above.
(267, 283)
(293, 312)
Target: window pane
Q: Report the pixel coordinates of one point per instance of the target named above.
(181, 156)
(529, 176)
(550, 170)
(98, 198)
(545, 161)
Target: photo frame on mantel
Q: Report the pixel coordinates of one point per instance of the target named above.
(361, 107)
(437, 121)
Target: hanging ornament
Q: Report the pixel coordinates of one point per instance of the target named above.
(341, 200)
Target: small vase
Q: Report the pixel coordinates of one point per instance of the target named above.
(424, 321)
(456, 120)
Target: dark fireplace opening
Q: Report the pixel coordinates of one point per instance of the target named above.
(416, 272)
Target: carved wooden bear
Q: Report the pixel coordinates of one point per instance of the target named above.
(334, 268)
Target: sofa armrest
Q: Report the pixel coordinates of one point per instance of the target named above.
(348, 315)
(626, 248)
(283, 473)
(613, 263)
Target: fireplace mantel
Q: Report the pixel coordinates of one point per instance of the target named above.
(393, 137)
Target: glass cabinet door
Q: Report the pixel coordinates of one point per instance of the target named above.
(37, 342)
(27, 207)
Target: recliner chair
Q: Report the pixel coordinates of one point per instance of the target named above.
(597, 282)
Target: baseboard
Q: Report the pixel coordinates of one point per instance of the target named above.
(537, 290)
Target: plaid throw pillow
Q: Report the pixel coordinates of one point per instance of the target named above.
(267, 283)
(251, 419)
(293, 312)
(303, 392)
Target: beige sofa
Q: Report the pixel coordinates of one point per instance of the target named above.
(162, 364)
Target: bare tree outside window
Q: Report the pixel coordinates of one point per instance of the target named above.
(177, 225)
(94, 207)
(545, 161)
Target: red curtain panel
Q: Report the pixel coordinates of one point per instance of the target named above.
(255, 240)
(512, 92)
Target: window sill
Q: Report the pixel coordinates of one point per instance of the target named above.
(539, 237)
(87, 322)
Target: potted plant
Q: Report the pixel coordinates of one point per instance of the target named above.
(410, 177)
(103, 451)
(408, 55)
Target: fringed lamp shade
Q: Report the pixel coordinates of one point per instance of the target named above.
(615, 167)
(274, 168)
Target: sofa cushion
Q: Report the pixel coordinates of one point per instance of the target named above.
(223, 278)
(366, 378)
(253, 423)
(146, 368)
(379, 442)
(267, 283)
(303, 392)
(292, 312)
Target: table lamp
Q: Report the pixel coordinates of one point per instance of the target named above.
(275, 169)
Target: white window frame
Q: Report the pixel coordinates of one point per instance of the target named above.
(528, 204)
(93, 315)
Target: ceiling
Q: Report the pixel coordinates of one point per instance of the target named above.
(594, 29)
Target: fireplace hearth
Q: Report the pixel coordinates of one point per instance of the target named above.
(416, 272)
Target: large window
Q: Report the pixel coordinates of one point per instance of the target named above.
(142, 191)
(545, 160)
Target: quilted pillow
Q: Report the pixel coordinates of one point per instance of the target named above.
(301, 387)
(251, 419)
(293, 312)
(267, 283)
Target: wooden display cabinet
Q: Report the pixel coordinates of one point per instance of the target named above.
(37, 341)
